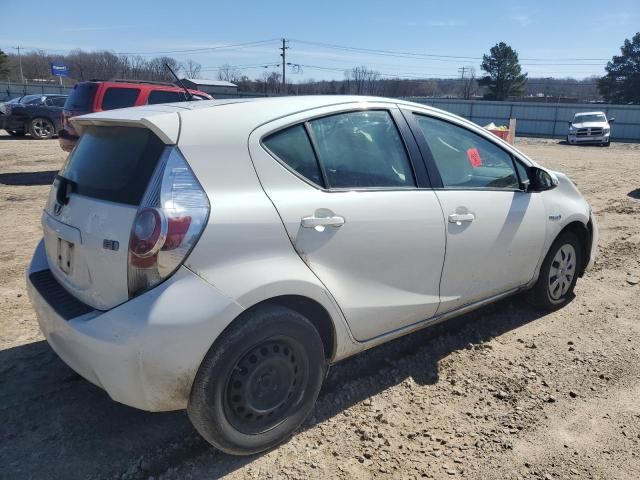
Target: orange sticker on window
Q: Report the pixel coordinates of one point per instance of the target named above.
(474, 157)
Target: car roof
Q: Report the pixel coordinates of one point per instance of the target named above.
(246, 113)
(589, 113)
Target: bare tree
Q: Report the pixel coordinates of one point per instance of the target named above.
(229, 73)
(361, 80)
(191, 69)
(272, 82)
(469, 85)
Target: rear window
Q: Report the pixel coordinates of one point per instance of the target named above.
(119, 98)
(163, 96)
(113, 163)
(82, 97)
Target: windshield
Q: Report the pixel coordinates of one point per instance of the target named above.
(591, 117)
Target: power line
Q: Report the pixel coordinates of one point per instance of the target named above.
(204, 49)
(404, 54)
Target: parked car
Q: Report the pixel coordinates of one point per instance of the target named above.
(38, 115)
(98, 96)
(590, 127)
(218, 256)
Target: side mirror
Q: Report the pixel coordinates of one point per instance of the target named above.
(612, 119)
(541, 180)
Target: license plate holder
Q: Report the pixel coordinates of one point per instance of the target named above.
(65, 256)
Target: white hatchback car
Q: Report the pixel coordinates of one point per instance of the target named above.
(219, 255)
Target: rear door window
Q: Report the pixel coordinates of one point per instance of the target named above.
(116, 97)
(113, 163)
(361, 150)
(56, 101)
(163, 96)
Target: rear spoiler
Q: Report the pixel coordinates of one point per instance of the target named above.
(164, 122)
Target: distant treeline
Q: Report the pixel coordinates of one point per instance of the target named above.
(357, 80)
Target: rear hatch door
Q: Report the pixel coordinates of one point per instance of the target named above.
(91, 207)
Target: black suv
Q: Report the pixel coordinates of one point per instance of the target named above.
(38, 115)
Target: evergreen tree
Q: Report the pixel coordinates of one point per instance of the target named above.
(621, 84)
(504, 76)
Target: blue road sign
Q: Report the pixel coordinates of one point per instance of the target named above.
(59, 69)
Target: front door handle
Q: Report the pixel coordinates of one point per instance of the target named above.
(335, 221)
(458, 218)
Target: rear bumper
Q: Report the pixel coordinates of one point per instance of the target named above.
(145, 352)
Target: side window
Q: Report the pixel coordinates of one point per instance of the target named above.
(115, 97)
(465, 159)
(58, 101)
(292, 146)
(361, 149)
(163, 96)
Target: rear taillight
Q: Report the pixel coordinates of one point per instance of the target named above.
(173, 214)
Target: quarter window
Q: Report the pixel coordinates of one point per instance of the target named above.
(119, 98)
(292, 146)
(361, 149)
(465, 159)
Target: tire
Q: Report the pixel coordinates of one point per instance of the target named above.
(41, 128)
(608, 144)
(548, 294)
(258, 382)
(17, 133)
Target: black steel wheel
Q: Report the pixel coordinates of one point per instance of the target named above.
(265, 385)
(259, 381)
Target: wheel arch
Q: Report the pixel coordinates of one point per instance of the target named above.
(311, 309)
(584, 234)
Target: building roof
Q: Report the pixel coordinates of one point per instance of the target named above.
(212, 83)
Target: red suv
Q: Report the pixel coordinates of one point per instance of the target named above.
(97, 96)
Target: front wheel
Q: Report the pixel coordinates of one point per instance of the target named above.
(41, 128)
(558, 273)
(258, 382)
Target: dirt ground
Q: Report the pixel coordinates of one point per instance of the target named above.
(503, 393)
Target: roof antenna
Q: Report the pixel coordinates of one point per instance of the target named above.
(188, 94)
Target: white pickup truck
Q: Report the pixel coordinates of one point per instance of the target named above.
(590, 127)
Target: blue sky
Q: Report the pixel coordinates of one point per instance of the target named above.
(545, 33)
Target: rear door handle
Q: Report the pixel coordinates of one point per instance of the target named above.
(461, 217)
(335, 221)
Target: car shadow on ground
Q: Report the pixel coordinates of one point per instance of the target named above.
(28, 178)
(56, 422)
(634, 193)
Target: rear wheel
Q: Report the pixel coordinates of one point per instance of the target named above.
(258, 382)
(41, 128)
(558, 273)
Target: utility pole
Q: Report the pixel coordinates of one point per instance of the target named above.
(20, 62)
(462, 70)
(284, 49)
